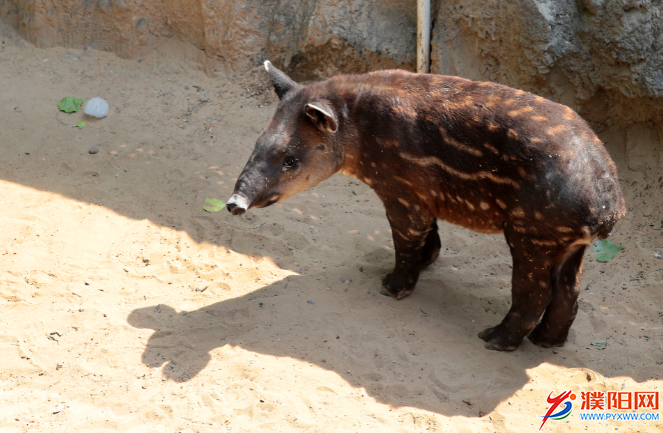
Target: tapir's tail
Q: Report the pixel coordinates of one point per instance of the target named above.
(606, 225)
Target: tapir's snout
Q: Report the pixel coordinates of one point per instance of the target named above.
(238, 204)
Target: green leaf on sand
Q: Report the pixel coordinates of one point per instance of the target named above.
(599, 344)
(70, 104)
(659, 228)
(213, 205)
(606, 250)
(80, 124)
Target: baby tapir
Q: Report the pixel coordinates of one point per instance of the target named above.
(481, 155)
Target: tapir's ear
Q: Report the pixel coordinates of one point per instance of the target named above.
(322, 116)
(282, 83)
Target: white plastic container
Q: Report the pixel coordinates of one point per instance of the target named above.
(96, 107)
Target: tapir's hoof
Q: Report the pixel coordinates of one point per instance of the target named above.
(399, 295)
(495, 340)
(397, 286)
(538, 337)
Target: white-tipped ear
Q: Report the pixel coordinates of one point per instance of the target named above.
(281, 82)
(322, 116)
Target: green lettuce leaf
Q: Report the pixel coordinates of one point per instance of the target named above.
(70, 104)
(606, 250)
(213, 205)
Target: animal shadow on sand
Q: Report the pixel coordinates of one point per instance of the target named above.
(419, 352)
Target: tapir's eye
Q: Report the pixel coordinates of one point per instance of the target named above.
(289, 162)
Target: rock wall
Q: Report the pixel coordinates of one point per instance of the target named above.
(606, 51)
(604, 58)
(311, 38)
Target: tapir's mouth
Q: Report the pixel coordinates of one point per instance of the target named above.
(272, 199)
(268, 201)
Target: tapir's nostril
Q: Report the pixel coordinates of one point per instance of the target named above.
(235, 210)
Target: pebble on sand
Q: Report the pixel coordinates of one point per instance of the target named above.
(94, 150)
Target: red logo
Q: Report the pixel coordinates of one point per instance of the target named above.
(555, 402)
(619, 400)
(592, 400)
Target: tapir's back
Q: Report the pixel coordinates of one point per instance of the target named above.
(493, 150)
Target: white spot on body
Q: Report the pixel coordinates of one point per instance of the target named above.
(491, 148)
(585, 231)
(415, 232)
(518, 212)
(540, 242)
(518, 112)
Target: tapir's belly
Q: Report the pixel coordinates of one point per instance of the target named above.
(478, 214)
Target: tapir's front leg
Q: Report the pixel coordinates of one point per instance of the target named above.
(411, 228)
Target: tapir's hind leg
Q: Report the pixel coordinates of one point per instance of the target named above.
(432, 246)
(554, 327)
(531, 291)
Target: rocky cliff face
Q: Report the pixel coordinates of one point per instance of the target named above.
(596, 55)
(311, 38)
(602, 57)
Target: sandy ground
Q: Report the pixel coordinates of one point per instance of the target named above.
(291, 333)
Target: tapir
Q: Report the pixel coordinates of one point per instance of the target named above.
(478, 154)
